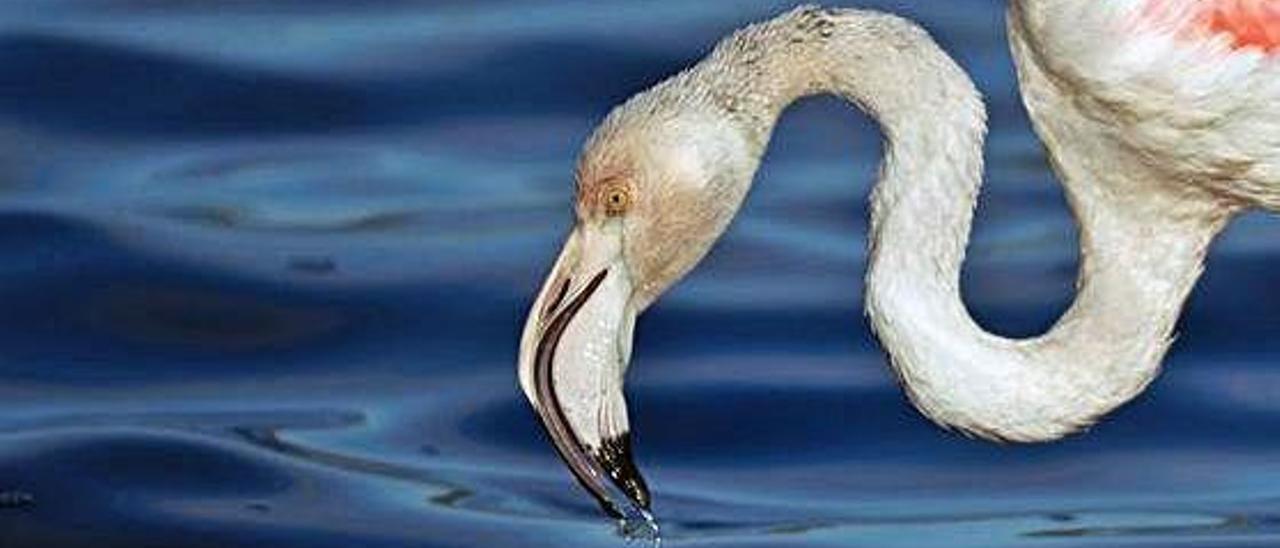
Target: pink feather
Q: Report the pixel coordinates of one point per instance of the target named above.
(1249, 23)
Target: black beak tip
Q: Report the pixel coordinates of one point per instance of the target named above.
(615, 457)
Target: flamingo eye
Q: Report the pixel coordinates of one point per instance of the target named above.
(616, 199)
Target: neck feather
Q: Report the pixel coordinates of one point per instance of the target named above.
(1141, 253)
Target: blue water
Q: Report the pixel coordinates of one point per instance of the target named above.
(264, 264)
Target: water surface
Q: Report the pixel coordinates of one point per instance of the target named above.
(265, 263)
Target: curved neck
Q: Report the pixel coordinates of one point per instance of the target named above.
(1142, 248)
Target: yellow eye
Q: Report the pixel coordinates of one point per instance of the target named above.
(617, 199)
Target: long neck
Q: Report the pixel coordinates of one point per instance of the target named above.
(1141, 251)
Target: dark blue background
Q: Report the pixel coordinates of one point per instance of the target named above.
(265, 263)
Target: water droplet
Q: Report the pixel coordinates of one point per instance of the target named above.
(640, 529)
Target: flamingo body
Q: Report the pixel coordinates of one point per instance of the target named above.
(1185, 89)
(1161, 118)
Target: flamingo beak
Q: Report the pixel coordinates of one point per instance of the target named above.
(573, 356)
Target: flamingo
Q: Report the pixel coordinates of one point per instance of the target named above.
(1161, 118)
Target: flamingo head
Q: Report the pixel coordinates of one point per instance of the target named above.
(655, 188)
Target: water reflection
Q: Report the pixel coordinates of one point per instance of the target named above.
(159, 456)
